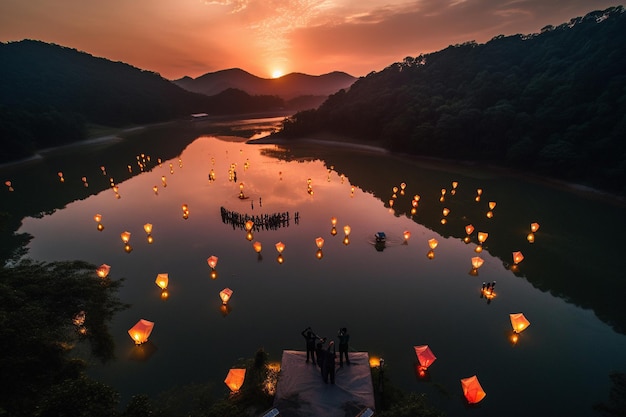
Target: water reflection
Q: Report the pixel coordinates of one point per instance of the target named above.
(391, 299)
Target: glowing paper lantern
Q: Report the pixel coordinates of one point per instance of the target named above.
(482, 236)
(141, 331)
(225, 295)
(517, 257)
(103, 270)
(280, 247)
(347, 230)
(125, 236)
(446, 211)
(249, 225)
(530, 237)
(333, 221)
(162, 280)
(519, 322)
(492, 205)
(455, 184)
(234, 379)
(469, 229)
(534, 227)
(148, 228)
(472, 390)
(257, 247)
(425, 356)
(477, 262)
(98, 218)
(432, 243)
(212, 261)
(319, 242)
(406, 235)
(479, 191)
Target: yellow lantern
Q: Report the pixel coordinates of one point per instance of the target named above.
(347, 230)
(517, 257)
(432, 243)
(519, 322)
(257, 247)
(446, 211)
(319, 242)
(225, 295)
(469, 229)
(492, 205)
(455, 184)
(489, 214)
(125, 237)
(148, 228)
(402, 186)
(394, 189)
(482, 236)
(234, 379)
(530, 237)
(162, 280)
(280, 247)
(479, 191)
(185, 207)
(443, 191)
(155, 189)
(212, 261)
(333, 221)
(141, 331)
(103, 270)
(416, 197)
(98, 218)
(534, 227)
(477, 262)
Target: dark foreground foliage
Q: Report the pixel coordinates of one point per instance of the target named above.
(552, 103)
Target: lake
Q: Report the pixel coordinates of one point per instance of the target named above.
(569, 285)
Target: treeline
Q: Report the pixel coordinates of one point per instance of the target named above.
(552, 103)
(49, 93)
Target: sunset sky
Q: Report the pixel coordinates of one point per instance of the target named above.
(272, 37)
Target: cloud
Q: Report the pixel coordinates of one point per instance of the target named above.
(236, 5)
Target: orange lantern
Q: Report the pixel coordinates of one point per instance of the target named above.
(212, 261)
(257, 247)
(492, 205)
(482, 236)
(455, 184)
(416, 197)
(249, 225)
(98, 218)
(534, 227)
(162, 280)
(530, 237)
(479, 191)
(234, 379)
(406, 235)
(443, 191)
(347, 230)
(425, 356)
(125, 237)
(148, 228)
(519, 322)
(333, 221)
(319, 242)
(103, 270)
(469, 229)
(280, 247)
(225, 295)
(472, 390)
(446, 211)
(517, 257)
(477, 262)
(141, 331)
(432, 243)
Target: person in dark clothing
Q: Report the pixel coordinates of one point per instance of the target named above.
(310, 338)
(328, 367)
(319, 352)
(344, 339)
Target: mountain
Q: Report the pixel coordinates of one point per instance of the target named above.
(49, 93)
(551, 103)
(288, 87)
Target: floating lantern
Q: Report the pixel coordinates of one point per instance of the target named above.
(333, 221)
(472, 390)
(257, 247)
(346, 240)
(249, 225)
(519, 322)
(489, 214)
(425, 356)
(446, 211)
(125, 237)
(100, 227)
(534, 227)
(60, 174)
(517, 257)
(347, 230)
(162, 280)
(406, 235)
(479, 191)
(155, 189)
(280, 247)
(103, 270)
(319, 254)
(234, 379)
(98, 218)
(430, 254)
(141, 331)
(455, 184)
(148, 228)
(432, 243)
(163, 181)
(482, 236)
(391, 203)
(530, 238)
(212, 261)
(319, 242)
(225, 295)
(477, 262)
(492, 205)
(469, 229)
(416, 197)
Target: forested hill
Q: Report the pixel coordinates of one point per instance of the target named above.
(552, 103)
(49, 92)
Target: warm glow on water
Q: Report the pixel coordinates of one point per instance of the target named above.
(390, 300)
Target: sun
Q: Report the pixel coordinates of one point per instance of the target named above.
(277, 73)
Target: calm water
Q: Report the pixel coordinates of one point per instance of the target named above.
(569, 285)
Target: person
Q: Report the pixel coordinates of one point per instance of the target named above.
(319, 352)
(344, 339)
(328, 366)
(310, 338)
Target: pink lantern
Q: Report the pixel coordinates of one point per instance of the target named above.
(425, 356)
(212, 261)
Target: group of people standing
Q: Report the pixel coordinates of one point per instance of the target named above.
(325, 356)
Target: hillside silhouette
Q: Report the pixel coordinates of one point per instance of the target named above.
(551, 103)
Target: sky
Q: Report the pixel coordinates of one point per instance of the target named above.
(269, 38)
